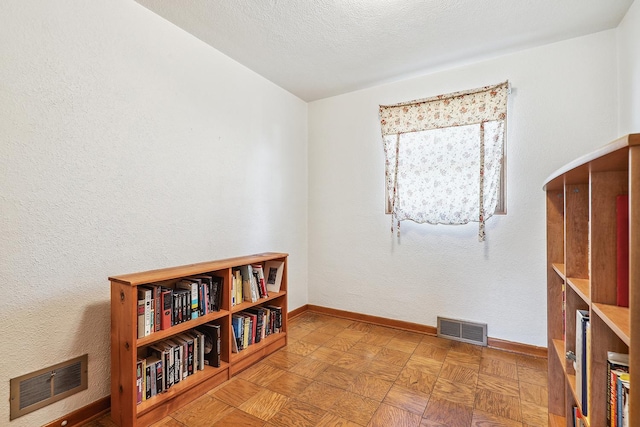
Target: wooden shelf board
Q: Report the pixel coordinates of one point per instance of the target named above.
(617, 318)
(164, 274)
(254, 348)
(613, 156)
(558, 346)
(244, 305)
(582, 288)
(557, 421)
(175, 391)
(560, 269)
(179, 328)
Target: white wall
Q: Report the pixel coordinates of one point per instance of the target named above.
(127, 145)
(629, 70)
(563, 104)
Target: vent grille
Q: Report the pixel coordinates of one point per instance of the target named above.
(460, 330)
(41, 388)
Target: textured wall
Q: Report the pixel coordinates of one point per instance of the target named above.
(629, 70)
(563, 105)
(126, 145)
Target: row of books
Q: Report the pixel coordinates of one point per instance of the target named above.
(161, 307)
(250, 283)
(254, 324)
(617, 389)
(173, 360)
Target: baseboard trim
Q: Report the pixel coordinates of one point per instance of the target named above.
(381, 321)
(516, 347)
(298, 311)
(510, 346)
(83, 415)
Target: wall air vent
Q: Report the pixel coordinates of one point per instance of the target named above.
(41, 388)
(460, 330)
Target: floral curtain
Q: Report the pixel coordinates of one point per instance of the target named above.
(443, 156)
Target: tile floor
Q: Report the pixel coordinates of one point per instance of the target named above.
(338, 372)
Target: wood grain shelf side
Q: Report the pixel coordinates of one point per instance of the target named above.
(617, 318)
(581, 287)
(560, 269)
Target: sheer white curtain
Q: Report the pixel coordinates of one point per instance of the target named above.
(443, 156)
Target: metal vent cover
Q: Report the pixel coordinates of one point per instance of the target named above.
(43, 387)
(461, 330)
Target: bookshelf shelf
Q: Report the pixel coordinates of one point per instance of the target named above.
(582, 288)
(582, 274)
(616, 318)
(182, 327)
(559, 268)
(244, 305)
(126, 347)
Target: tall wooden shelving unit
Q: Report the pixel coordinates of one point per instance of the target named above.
(125, 344)
(581, 260)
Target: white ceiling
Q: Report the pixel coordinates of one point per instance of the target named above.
(321, 48)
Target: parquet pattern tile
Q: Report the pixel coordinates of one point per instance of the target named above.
(342, 373)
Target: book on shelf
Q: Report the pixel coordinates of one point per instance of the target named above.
(622, 384)
(144, 294)
(193, 286)
(582, 317)
(249, 285)
(204, 294)
(622, 250)
(139, 379)
(617, 364)
(210, 351)
(257, 314)
(273, 273)
(237, 323)
(259, 277)
(166, 302)
(246, 334)
(238, 286)
(234, 341)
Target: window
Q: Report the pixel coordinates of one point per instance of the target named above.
(444, 157)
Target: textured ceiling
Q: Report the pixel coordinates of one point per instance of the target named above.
(316, 48)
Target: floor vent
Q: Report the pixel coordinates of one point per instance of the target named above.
(41, 388)
(460, 330)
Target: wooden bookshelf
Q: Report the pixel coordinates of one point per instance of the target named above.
(125, 344)
(581, 274)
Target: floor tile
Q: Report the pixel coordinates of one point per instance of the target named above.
(370, 386)
(309, 368)
(532, 376)
(238, 418)
(332, 420)
(499, 404)
(391, 416)
(236, 392)
(321, 395)
(463, 394)
(533, 393)
(486, 419)
(297, 414)
(447, 413)
(355, 408)
(499, 368)
(265, 404)
(498, 385)
(534, 415)
(417, 380)
(192, 413)
(289, 384)
(409, 400)
(338, 377)
(459, 373)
